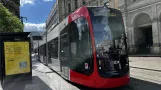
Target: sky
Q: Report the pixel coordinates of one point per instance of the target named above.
(36, 12)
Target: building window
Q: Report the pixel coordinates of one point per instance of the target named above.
(69, 8)
(76, 4)
(84, 2)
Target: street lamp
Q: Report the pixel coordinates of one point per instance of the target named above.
(23, 18)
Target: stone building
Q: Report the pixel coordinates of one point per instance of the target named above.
(62, 8)
(72, 5)
(143, 25)
(112, 3)
(53, 18)
(13, 6)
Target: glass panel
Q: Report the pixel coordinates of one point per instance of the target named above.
(110, 41)
(64, 50)
(80, 43)
(64, 45)
(42, 50)
(53, 50)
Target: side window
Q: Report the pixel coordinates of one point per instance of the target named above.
(42, 50)
(80, 43)
(64, 43)
(53, 48)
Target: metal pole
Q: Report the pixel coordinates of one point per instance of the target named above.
(46, 49)
(38, 51)
(23, 18)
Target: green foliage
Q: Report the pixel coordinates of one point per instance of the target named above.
(9, 22)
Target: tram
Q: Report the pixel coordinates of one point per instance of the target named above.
(89, 48)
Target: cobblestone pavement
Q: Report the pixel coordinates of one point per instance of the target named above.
(145, 75)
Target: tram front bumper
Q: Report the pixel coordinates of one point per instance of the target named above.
(112, 82)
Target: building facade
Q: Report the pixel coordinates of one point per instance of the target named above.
(71, 5)
(13, 6)
(143, 25)
(112, 3)
(53, 18)
(62, 8)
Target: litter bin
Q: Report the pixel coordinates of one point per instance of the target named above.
(15, 57)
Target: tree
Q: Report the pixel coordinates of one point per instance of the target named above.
(9, 22)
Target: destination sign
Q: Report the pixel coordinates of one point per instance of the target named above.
(104, 14)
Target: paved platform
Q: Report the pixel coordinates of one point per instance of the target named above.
(146, 68)
(145, 75)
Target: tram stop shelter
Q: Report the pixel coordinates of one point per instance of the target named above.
(15, 57)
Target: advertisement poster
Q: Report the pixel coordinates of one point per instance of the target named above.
(17, 57)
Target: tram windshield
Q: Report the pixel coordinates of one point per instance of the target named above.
(110, 41)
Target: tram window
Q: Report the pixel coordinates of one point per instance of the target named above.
(80, 43)
(44, 48)
(64, 49)
(53, 48)
(41, 50)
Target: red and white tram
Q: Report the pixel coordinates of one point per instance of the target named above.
(89, 48)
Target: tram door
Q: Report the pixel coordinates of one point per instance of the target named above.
(64, 52)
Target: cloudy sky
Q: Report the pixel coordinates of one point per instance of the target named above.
(36, 12)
